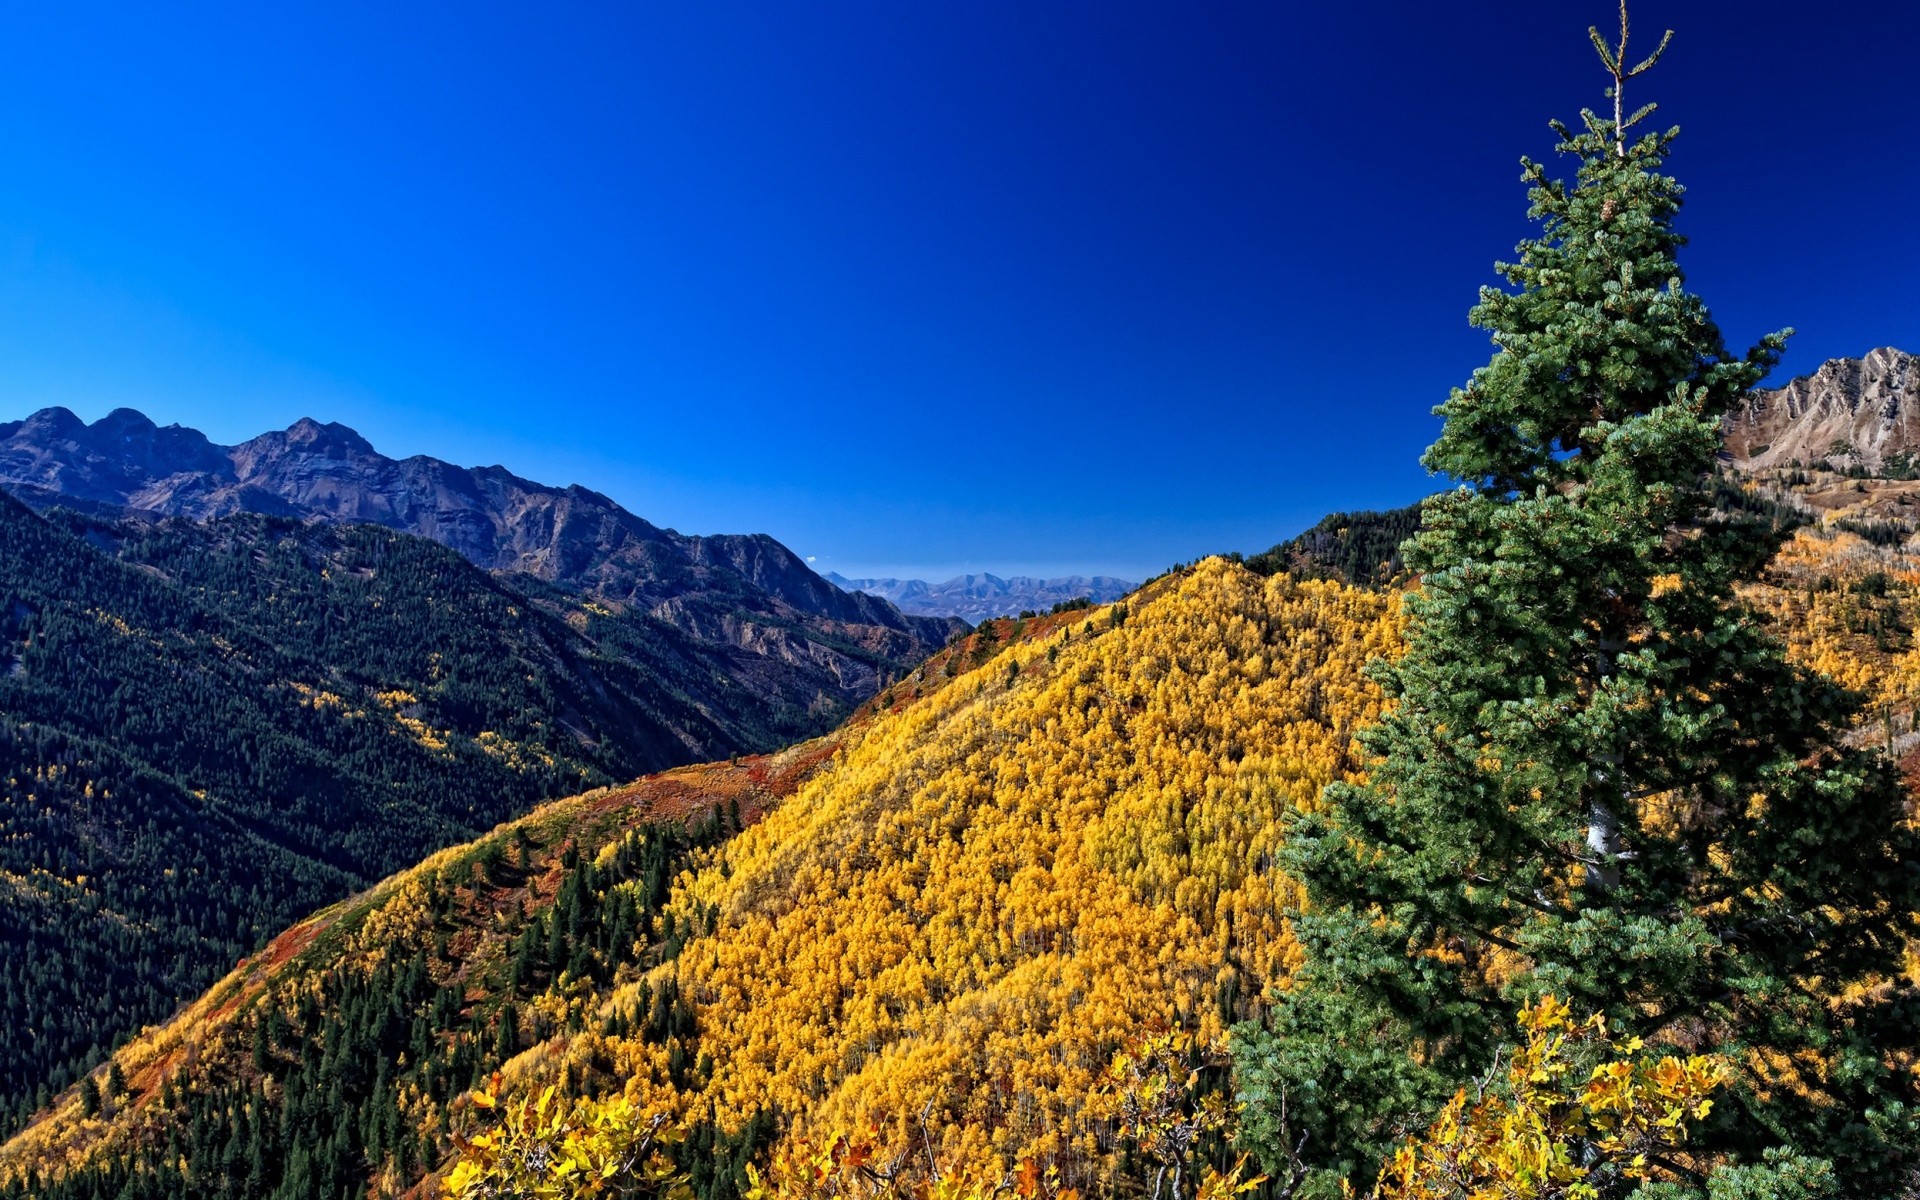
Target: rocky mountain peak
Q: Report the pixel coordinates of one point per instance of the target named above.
(124, 422)
(1863, 409)
(331, 439)
(49, 422)
(53, 455)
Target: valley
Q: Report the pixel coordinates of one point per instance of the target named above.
(216, 718)
(976, 598)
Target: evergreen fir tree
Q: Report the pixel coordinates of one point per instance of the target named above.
(1600, 778)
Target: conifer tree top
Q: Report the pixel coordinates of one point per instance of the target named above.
(1601, 328)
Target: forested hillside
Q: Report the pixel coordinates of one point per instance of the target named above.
(327, 1064)
(1356, 547)
(950, 916)
(986, 895)
(1053, 834)
(210, 730)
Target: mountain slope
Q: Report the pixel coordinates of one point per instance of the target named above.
(1054, 832)
(783, 625)
(1358, 547)
(529, 916)
(943, 917)
(206, 731)
(981, 597)
(989, 892)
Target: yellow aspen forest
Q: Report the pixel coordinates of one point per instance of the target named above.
(1846, 608)
(957, 922)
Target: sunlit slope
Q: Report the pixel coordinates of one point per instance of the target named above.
(1849, 608)
(969, 909)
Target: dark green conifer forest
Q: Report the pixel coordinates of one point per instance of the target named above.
(344, 1070)
(207, 731)
(1358, 547)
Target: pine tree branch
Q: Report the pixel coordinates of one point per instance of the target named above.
(1647, 62)
(1565, 856)
(1497, 940)
(1679, 1169)
(1614, 60)
(1520, 898)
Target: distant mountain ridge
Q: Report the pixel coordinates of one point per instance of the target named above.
(975, 598)
(744, 591)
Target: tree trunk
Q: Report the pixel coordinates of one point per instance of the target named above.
(1603, 840)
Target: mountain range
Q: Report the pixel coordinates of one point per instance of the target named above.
(975, 598)
(789, 632)
(1010, 857)
(976, 884)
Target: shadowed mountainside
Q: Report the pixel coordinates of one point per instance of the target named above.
(744, 591)
(207, 730)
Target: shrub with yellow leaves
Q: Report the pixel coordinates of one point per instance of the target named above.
(1558, 1130)
(1152, 1087)
(848, 1168)
(558, 1149)
(1150, 1095)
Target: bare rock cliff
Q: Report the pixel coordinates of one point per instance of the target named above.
(1863, 408)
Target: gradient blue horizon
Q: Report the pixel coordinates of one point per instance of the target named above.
(919, 290)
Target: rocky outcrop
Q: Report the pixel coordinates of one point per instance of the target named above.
(1859, 410)
(978, 597)
(746, 592)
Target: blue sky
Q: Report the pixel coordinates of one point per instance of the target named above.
(917, 288)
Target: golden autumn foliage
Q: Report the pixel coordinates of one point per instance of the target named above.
(557, 1149)
(993, 925)
(1150, 1090)
(847, 1168)
(990, 890)
(1848, 609)
(1559, 1127)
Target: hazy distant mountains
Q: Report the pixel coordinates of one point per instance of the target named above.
(977, 597)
